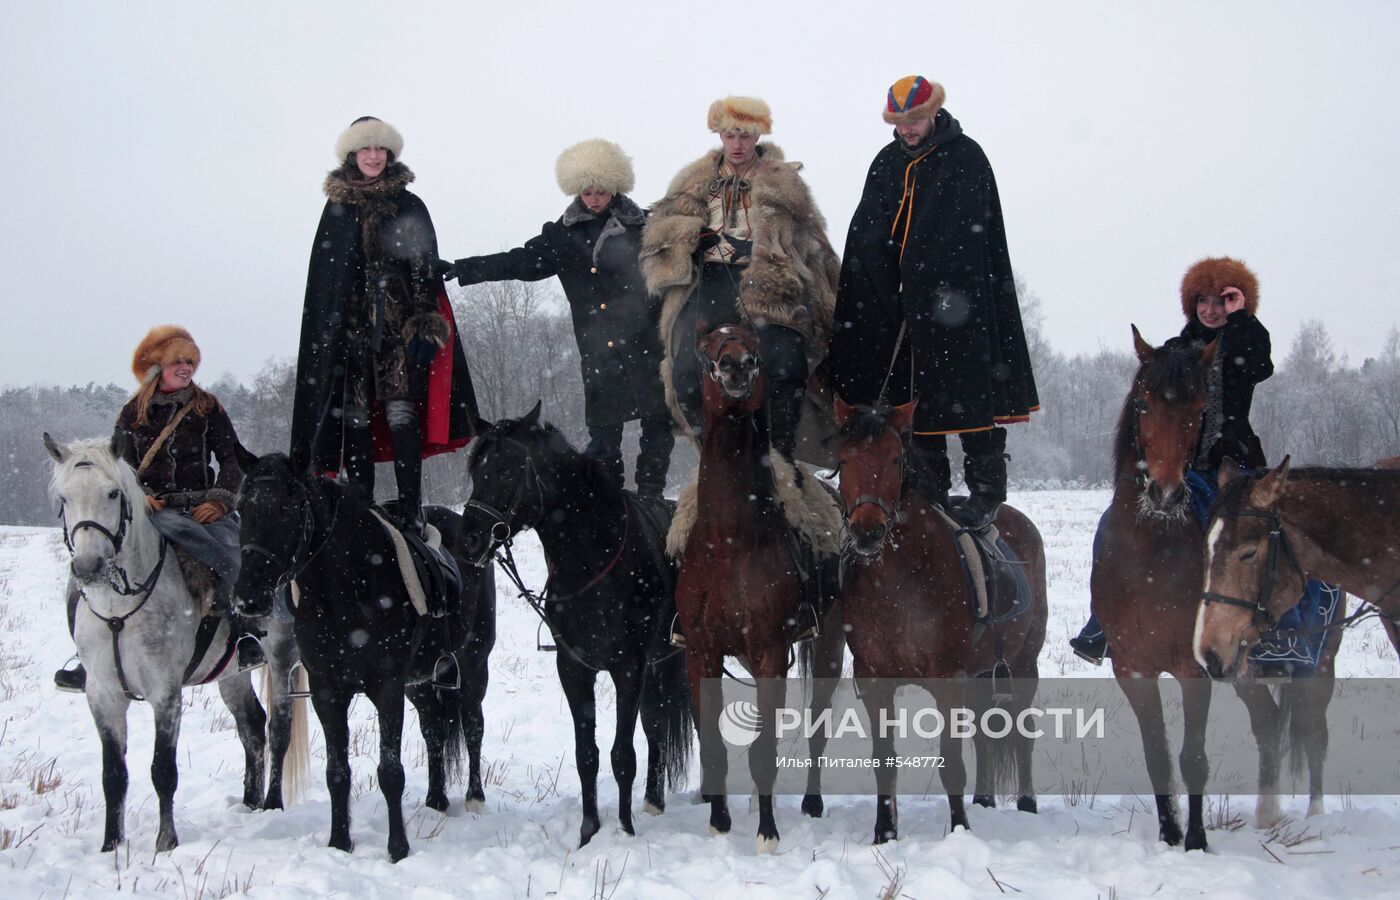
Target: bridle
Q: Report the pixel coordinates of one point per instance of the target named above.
(1279, 548)
(890, 509)
(711, 367)
(302, 553)
(503, 525)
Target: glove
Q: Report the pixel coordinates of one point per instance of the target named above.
(420, 351)
(209, 511)
(708, 239)
(154, 504)
(444, 269)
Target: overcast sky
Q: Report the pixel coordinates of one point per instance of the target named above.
(165, 159)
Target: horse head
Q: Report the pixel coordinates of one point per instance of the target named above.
(275, 521)
(1252, 576)
(730, 361)
(100, 501)
(1160, 423)
(507, 466)
(871, 453)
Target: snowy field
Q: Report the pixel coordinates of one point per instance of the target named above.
(524, 845)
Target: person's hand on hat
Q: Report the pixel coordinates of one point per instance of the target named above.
(1234, 299)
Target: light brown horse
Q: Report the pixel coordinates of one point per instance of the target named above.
(1268, 536)
(1146, 583)
(907, 607)
(739, 587)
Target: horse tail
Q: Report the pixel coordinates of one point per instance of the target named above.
(1302, 729)
(996, 757)
(454, 737)
(294, 766)
(668, 694)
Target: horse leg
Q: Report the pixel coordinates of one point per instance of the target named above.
(1024, 744)
(1146, 702)
(949, 695)
(388, 702)
(667, 722)
(1195, 767)
(624, 755)
(878, 696)
(703, 669)
(109, 715)
(828, 651)
(281, 656)
(1264, 722)
(250, 721)
(332, 706)
(164, 773)
(577, 682)
(436, 724)
(987, 751)
(475, 677)
(1308, 724)
(769, 666)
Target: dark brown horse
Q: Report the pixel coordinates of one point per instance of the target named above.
(739, 587)
(1268, 536)
(1146, 584)
(908, 608)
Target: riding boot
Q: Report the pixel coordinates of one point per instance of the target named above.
(74, 679)
(654, 456)
(358, 456)
(936, 477)
(784, 410)
(246, 635)
(984, 468)
(408, 474)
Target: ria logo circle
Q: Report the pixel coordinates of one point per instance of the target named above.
(739, 723)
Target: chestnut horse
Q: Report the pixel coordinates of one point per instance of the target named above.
(739, 587)
(909, 612)
(1146, 583)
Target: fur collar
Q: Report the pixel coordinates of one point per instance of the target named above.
(340, 189)
(622, 208)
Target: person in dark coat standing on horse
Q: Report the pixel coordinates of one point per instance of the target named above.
(380, 373)
(927, 305)
(739, 236)
(592, 248)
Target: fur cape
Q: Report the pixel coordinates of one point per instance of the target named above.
(1213, 275)
(792, 278)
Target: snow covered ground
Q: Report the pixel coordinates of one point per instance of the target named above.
(524, 845)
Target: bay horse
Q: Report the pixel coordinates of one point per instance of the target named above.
(909, 609)
(608, 603)
(359, 633)
(740, 586)
(138, 640)
(1146, 582)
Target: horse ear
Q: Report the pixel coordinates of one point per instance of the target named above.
(57, 452)
(1144, 349)
(843, 409)
(1228, 471)
(246, 458)
(1208, 353)
(532, 418)
(902, 417)
(118, 443)
(1270, 487)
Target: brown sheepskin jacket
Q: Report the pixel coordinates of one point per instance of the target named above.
(792, 278)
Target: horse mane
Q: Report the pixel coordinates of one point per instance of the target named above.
(540, 435)
(97, 452)
(1174, 371)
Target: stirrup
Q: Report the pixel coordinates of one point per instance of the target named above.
(440, 683)
(292, 691)
(1084, 649)
(238, 649)
(810, 630)
(677, 639)
(74, 680)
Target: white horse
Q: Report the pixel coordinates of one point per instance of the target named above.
(137, 634)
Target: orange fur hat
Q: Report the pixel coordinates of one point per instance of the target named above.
(164, 345)
(740, 114)
(1211, 276)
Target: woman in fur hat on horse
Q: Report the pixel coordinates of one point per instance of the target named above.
(737, 236)
(380, 374)
(593, 249)
(1220, 300)
(172, 432)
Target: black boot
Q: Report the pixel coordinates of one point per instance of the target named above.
(654, 458)
(246, 634)
(408, 474)
(784, 411)
(74, 679)
(984, 468)
(937, 473)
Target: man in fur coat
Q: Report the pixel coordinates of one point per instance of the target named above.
(593, 249)
(927, 305)
(738, 235)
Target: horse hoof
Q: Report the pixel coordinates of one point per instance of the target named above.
(110, 845)
(167, 842)
(767, 845)
(397, 851)
(1266, 812)
(437, 802)
(586, 832)
(812, 806)
(882, 837)
(653, 809)
(986, 800)
(345, 846)
(1170, 836)
(1027, 804)
(1196, 840)
(271, 803)
(476, 806)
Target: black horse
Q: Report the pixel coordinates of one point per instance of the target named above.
(359, 634)
(608, 604)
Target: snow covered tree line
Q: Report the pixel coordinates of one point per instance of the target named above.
(519, 342)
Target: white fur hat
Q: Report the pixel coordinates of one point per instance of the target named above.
(596, 164)
(740, 114)
(367, 131)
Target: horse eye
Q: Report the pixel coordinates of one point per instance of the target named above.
(112, 494)
(1247, 555)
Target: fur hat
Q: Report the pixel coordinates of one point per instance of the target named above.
(596, 164)
(1211, 276)
(740, 114)
(367, 131)
(911, 98)
(161, 347)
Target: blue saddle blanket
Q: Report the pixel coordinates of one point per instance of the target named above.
(1297, 645)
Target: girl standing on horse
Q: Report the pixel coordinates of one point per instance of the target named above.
(171, 432)
(380, 374)
(593, 250)
(1220, 299)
